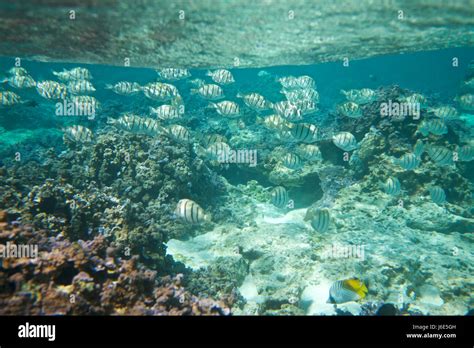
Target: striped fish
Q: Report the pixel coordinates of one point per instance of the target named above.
(209, 139)
(166, 112)
(350, 109)
(179, 133)
(320, 221)
(295, 95)
(440, 155)
(466, 101)
(408, 161)
(274, 122)
(287, 109)
(226, 108)
(305, 132)
(80, 87)
(74, 74)
(209, 91)
(310, 152)
(292, 161)
(392, 187)
(306, 107)
(137, 124)
(20, 81)
(160, 91)
(190, 212)
(221, 76)
(85, 102)
(78, 134)
(217, 151)
(445, 112)
(8, 98)
(18, 70)
(51, 89)
(347, 290)
(173, 74)
(437, 194)
(465, 153)
(418, 148)
(360, 96)
(435, 126)
(279, 197)
(288, 82)
(416, 98)
(345, 141)
(124, 88)
(305, 82)
(255, 101)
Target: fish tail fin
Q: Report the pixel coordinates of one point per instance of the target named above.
(108, 86)
(269, 105)
(207, 217)
(111, 120)
(343, 92)
(211, 105)
(239, 95)
(209, 73)
(55, 73)
(193, 91)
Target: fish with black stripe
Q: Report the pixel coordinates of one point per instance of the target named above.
(350, 109)
(392, 187)
(226, 108)
(191, 213)
(305, 132)
(209, 91)
(160, 91)
(80, 87)
(320, 220)
(345, 141)
(255, 101)
(124, 88)
(310, 152)
(221, 76)
(78, 134)
(437, 194)
(173, 74)
(408, 161)
(51, 89)
(435, 126)
(137, 124)
(8, 98)
(279, 197)
(292, 161)
(419, 148)
(347, 290)
(178, 133)
(440, 155)
(465, 153)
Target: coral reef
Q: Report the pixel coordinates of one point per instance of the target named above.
(87, 278)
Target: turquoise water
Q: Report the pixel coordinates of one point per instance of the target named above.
(408, 249)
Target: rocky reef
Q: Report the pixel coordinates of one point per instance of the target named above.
(87, 278)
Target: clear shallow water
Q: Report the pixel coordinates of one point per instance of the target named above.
(417, 254)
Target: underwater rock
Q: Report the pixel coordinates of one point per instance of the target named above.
(82, 278)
